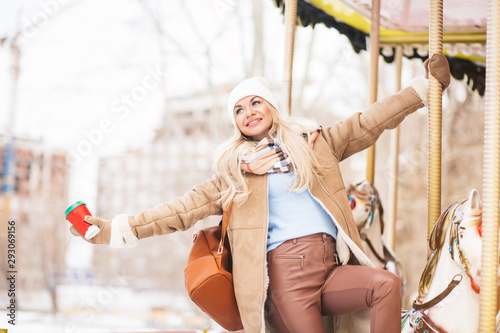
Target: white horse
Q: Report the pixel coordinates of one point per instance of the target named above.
(368, 214)
(448, 298)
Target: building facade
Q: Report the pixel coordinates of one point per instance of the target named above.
(34, 195)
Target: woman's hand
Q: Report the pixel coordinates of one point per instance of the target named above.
(104, 234)
(439, 68)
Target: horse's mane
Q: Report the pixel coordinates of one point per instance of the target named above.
(436, 244)
(349, 189)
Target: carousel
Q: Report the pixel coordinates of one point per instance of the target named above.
(458, 289)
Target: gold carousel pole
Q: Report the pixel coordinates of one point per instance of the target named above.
(290, 27)
(393, 176)
(374, 54)
(434, 119)
(491, 174)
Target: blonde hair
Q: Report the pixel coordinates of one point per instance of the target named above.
(289, 132)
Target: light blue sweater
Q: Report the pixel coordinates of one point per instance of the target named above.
(294, 214)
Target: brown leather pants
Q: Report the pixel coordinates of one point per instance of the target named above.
(305, 283)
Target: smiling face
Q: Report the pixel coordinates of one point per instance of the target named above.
(253, 117)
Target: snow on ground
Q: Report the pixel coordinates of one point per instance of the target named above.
(31, 322)
(88, 309)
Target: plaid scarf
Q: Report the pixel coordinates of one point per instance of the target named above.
(266, 157)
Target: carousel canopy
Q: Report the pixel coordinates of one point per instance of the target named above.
(406, 22)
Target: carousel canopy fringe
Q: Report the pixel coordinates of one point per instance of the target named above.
(465, 55)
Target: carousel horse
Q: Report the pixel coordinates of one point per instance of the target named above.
(448, 294)
(368, 214)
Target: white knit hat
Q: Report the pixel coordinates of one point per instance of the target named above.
(255, 86)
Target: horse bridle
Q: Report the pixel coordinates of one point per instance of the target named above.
(423, 324)
(372, 198)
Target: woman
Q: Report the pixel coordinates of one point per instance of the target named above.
(296, 251)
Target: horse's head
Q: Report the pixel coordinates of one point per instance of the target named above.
(466, 236)
(365, 201)
(457, 233)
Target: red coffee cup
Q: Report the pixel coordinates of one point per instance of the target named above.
(76, 214)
